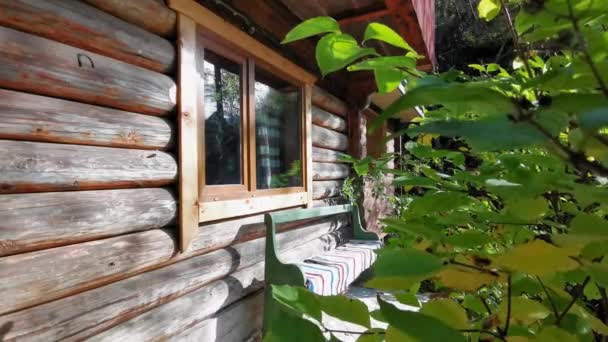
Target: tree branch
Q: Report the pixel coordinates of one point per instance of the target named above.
(481, 331)
(585, 49)
(553, 307)
(576, 296)
(480, 269)
(509, 295)
(355, 332)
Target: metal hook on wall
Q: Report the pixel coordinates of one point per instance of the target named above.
(79, 55)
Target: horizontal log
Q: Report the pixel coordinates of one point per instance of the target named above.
(38, 65)
(327, 101)
(325, 155)
(37, 221)
(171, 319)
(328, 201)
(326, 138)
(329, 171)
(325, 119)
(38, 118)
(240, 322)
(75, 23)
(39, 167)
(39, 277)
(205, 301)
(323, 189)
(151, 15)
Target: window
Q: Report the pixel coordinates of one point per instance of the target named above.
(252, 128)
(244, 124)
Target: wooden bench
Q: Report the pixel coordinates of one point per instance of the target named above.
(328, 273)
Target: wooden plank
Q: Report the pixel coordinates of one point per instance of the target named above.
(77, 24)
(324, 189)
(241, 41)
(325, 155)
(151, 15)
(38, 118)
(308, 149)
(326, 138)
(327, 101)
(325, 119)
(211, 211)
(190, 87)
(37, 65)
(31, 222)
(65, 272)
(40, 167)
(329, 171)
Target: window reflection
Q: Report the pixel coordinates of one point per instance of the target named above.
(222, 79)
(278, 142)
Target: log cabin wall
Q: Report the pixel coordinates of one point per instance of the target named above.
(88, 173)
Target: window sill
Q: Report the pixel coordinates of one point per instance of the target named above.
(211, 211)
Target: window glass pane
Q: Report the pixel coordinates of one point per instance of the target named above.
(278, 138)
(222, 120)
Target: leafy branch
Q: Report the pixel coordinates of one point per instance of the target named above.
(579, 292)
(585, 48)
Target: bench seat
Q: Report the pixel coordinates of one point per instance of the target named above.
(331, 273)
(328, 273)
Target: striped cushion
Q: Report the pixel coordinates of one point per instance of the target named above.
(331, 273)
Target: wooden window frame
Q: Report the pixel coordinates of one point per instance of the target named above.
(199, 28)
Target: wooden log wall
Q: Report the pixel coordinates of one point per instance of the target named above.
(330, 143)
(88, 185)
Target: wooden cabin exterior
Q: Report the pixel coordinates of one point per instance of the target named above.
(110, 229)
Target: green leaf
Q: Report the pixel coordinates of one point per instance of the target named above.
(594, 120)
(292, 328)
(372, 335)
(388, 80)
(599, 273)
(418, 326)
(486, 134)
(408, 298)
(311, 27)
(377, 31)
(414, 181)
(554, 334)
(439, 202)
(468, 239)
(488, 9)
(448, 311)
(346, 309)
(537, 258)
(457, 97)
(523, 310)
(589, 228)
(385, 63)
(523, 284)
(399, 269)
(337, 50)
(298, 299)
(431, 232)
(477, 67)
(474, 304)
(527, 209)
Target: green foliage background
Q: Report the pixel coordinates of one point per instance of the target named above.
(510, 226)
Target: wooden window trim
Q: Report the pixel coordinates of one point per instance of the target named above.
(212, 204)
